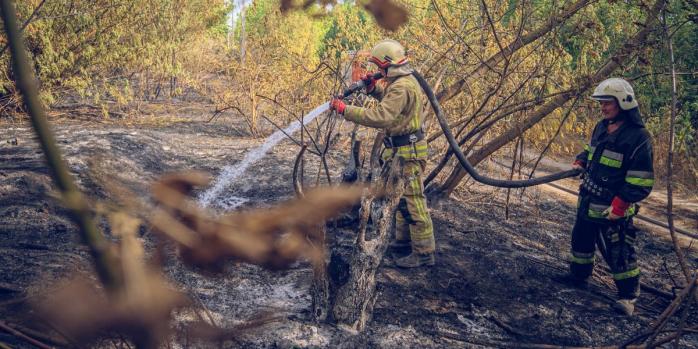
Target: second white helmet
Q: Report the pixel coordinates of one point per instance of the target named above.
(618, 89)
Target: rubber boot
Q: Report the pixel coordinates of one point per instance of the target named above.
(626, 306)
(416, 260)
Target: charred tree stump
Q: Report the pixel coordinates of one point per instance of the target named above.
(348, 284)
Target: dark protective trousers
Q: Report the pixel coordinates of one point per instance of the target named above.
(616, 241)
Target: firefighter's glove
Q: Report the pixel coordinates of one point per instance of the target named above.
(338, 105)
(369, 82)
(617, 209)
(578, 165)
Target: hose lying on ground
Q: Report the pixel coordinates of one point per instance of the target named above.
(464, 161)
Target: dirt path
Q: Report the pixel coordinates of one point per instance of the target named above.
(493, 280)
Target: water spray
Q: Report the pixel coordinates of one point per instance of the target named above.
(231, 172)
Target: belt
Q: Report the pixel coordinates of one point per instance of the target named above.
(402, 140)
(590, 187)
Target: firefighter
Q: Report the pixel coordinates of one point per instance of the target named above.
(399, 115)
(618, 174)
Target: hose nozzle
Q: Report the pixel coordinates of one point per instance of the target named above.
(359, 85)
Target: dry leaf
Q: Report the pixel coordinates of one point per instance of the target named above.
(387, 14)
(271, 237)
(141, 307)
(287, 5)
(83, 312)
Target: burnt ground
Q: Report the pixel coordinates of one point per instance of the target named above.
(494, 279)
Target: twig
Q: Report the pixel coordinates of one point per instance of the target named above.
(204, 307)
(70, 341)
(684, 317)
(220, 111)
(300, 120)
(661, 321)
(511, 176)
(494, 31)
(508, 327)
(500, 344)
(21, 335)
(670, 158)
(297, 172)
(44, 337)
(671, 277)
(644, 335)
(282, 130)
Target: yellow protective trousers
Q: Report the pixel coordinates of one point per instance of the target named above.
(412, 219)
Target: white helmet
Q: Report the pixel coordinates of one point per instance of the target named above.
(388, 53)
(618, 89)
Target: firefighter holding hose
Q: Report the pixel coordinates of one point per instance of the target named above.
(618, 168)
(399, 115)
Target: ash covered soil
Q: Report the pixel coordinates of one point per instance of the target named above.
(495, 278)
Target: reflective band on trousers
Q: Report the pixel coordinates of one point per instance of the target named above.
(420, 204)
(597, 211)
(640, 178)
(582, 258)
(416, 151)
(627, 275)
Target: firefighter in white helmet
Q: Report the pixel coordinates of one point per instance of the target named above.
(618, 174)
(399, 115)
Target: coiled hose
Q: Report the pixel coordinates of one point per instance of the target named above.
(464, 161)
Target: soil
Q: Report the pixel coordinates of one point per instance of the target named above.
(496, 277)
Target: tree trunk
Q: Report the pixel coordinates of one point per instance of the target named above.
(583, 84)
(348, 285)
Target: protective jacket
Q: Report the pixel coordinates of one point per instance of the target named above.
(617, 164)
(398, 113)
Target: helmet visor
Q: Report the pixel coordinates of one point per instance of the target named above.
(379, 63)
(387, 63)
(603, 98)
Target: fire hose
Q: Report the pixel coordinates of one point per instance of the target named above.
(455, 148)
